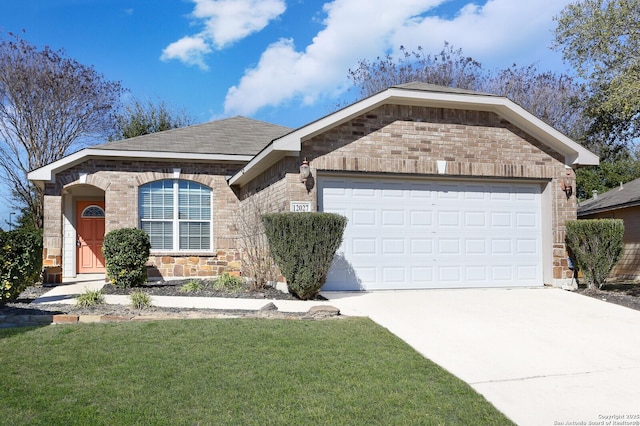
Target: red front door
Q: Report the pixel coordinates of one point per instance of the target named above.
(90, 235)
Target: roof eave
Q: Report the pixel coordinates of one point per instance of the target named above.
(48, 173)
(605, 209)
(574, 154)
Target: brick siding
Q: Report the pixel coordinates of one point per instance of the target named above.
(120, 181)
(408, 140)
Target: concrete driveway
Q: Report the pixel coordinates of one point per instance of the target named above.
(541, 356)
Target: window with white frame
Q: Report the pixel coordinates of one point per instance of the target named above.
(176, 214)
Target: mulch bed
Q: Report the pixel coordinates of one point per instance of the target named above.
(621, 293)
(172, 288)
(22, 305)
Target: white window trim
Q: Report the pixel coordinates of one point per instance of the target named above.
(175, 222)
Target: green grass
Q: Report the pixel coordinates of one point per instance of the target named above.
(239, 371)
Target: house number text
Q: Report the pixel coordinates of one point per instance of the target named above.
(300, 206)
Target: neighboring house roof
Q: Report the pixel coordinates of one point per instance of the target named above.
(420, 94)
(230, 139)
(627, 195)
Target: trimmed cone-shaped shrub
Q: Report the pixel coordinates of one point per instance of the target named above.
(303, 246)
(597, 246)
(126, 252)
(20, 262)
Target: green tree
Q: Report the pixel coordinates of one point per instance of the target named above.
(49, 104)
(601, 40)
(142, 118)
(608, 175)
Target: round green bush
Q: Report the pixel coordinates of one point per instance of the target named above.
(126, 252)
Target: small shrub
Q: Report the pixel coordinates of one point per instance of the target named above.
(256, 261)
(126, 252)
(192, 286)
(20, 262)
(140, 299)
(90, 298)
(303, 246)
(596, 245)
(228, 282)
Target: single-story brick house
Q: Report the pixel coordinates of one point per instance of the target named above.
(620, 203)
(442, 188)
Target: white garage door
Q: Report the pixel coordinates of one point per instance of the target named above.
(406, 234)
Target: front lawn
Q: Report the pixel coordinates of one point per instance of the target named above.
(239, 371)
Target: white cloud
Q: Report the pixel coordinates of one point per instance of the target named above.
(225, 22)
(228, 21)
(190, 50)
(351, 32)
(507, 30)
(498, 33)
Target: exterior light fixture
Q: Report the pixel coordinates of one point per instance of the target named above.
(566, 186)
(305, 171)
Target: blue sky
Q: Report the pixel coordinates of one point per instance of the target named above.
(281, 61)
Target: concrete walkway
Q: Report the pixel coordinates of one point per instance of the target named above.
(541, 356)
(67, 292)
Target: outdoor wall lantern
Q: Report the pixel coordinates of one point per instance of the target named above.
(305, 171)
(565, 185)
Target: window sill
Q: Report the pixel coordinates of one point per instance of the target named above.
(184, 253)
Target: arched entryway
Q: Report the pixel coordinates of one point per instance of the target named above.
(90, 236)
(83, 229)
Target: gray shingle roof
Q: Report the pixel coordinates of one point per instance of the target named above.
(428, 87)
(627, 196)
(237, 135)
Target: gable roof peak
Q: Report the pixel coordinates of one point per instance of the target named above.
(429, 87)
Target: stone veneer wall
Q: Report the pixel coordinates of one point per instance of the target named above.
(408, 140)
(120, 181)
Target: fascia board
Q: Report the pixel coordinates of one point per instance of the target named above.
(290, 144)
(574, 153)
(48, 172)
(258, 164)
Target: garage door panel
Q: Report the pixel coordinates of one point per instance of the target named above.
(394, 275)
(392, 218)
(473, 219)
(448, 218)
(421, 218)
(448, 246)
(364, 246)
(421, 246)
(362, 217)
(412, 234)
(500, 219)
(393, 246)
(475, 246)
(526, 220)
(526, 246)
(449, 274)
(476, 274)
